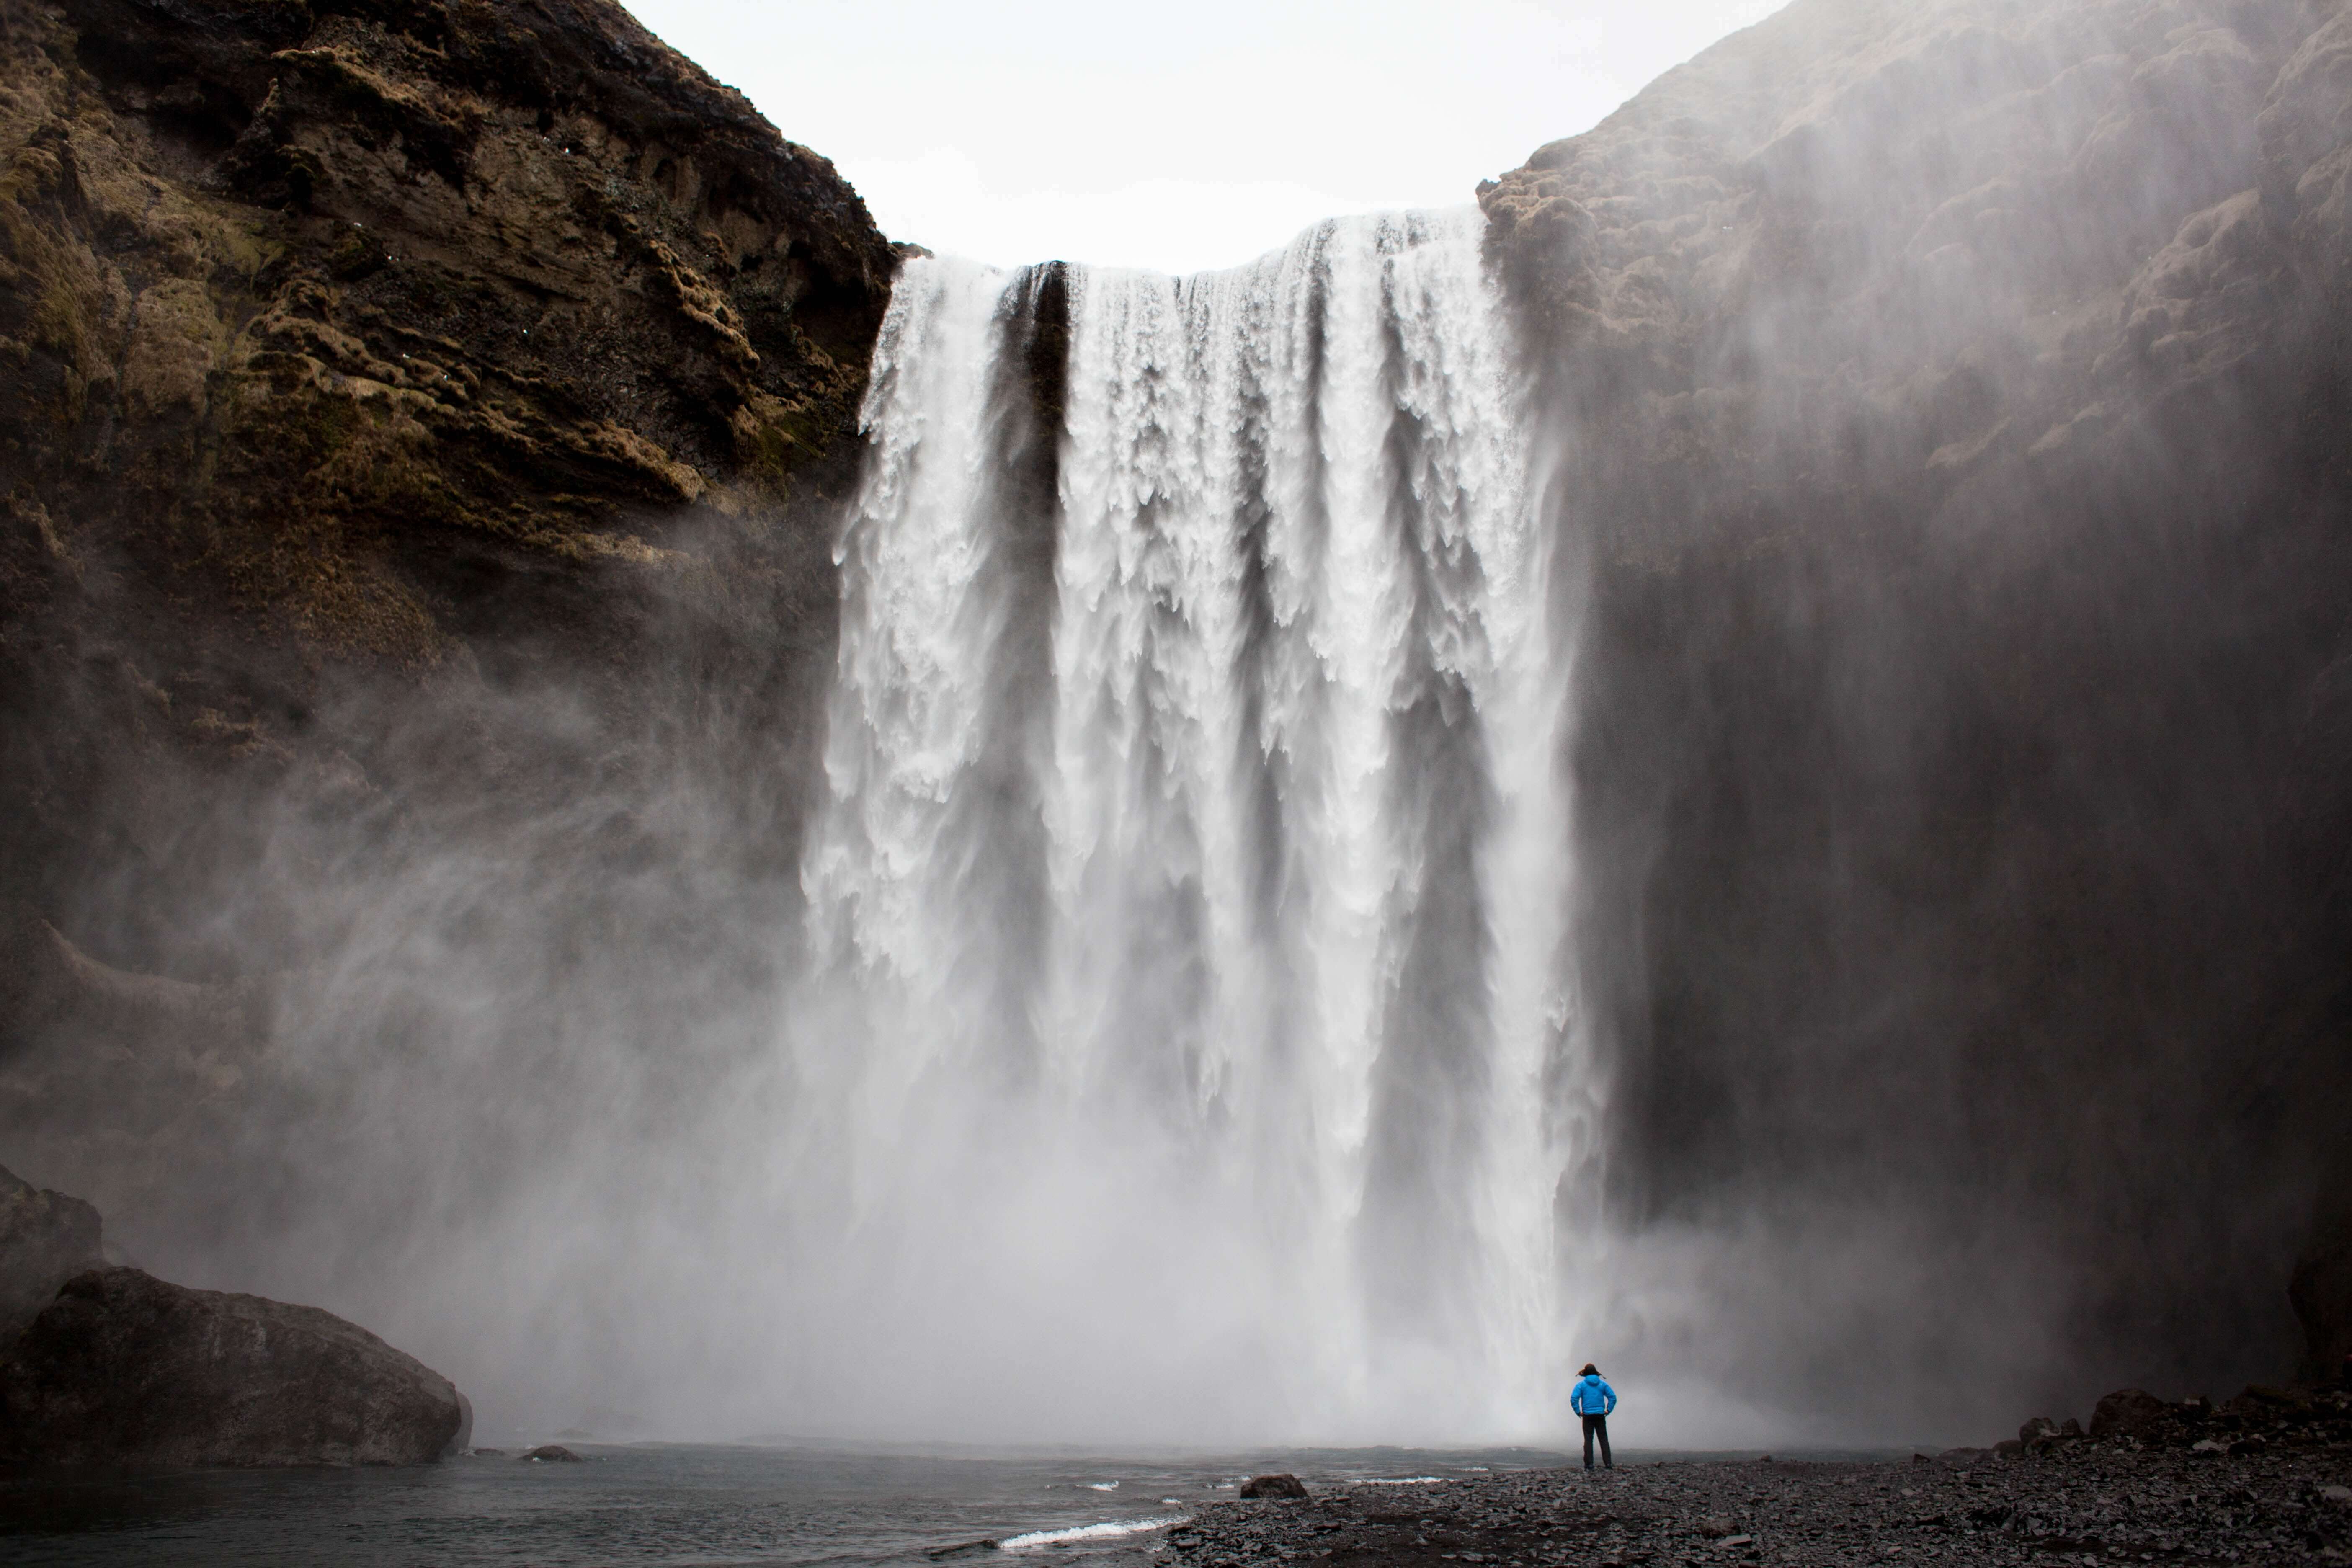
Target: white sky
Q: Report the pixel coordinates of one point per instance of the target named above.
(1178, 136)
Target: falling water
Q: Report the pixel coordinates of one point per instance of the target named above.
(1187, 904)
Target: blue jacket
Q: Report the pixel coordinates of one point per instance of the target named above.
(1590, 1396)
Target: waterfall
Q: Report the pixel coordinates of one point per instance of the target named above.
(1186, 903)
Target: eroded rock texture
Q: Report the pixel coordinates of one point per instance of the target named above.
(360, 350)
(1952, 397)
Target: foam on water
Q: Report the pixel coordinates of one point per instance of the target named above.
(1105, 1532)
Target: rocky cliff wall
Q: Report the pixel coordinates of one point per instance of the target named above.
(367, 364)
(422, 430)
(1950, 401)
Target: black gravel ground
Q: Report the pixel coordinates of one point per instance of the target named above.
(2084, 1502)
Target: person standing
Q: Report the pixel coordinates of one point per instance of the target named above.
(1593, 1399)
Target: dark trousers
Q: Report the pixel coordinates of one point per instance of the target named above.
(1597, 1426)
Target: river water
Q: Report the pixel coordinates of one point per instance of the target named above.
(674, 1504)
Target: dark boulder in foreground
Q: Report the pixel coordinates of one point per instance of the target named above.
(123, 1368)
(1274, 1487)
(45, 1238)
(2132, 1413)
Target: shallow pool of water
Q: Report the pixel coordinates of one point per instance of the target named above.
(673, 1503)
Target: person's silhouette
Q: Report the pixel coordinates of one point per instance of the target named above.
(1593, 1400)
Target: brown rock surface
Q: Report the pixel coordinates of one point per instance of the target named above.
(122, 1368)
(367, 358)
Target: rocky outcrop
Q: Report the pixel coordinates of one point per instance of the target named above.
(440, 284)
(371, 366)
(1945, 401)
(101, 1364)
(45, 1238)
(1275, 1486)
(2131, 1413)
(2262, 1419)
(124, 1369)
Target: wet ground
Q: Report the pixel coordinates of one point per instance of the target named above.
(2082, 1503)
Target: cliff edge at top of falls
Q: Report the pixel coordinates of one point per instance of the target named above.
(1951, 399)
(366, 362)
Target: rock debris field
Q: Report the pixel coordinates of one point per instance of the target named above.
(2058, 1499)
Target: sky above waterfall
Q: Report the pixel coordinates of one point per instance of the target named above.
(1182, 136)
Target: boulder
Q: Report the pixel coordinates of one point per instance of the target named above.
(553, 1453)
(45, 1238)
(122, 1368)
(1274, 1487)
(2133, 1412)
(2268, 1402)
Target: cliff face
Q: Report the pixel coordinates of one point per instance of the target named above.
(365, 364)
(1952, 399)
(422, 430)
